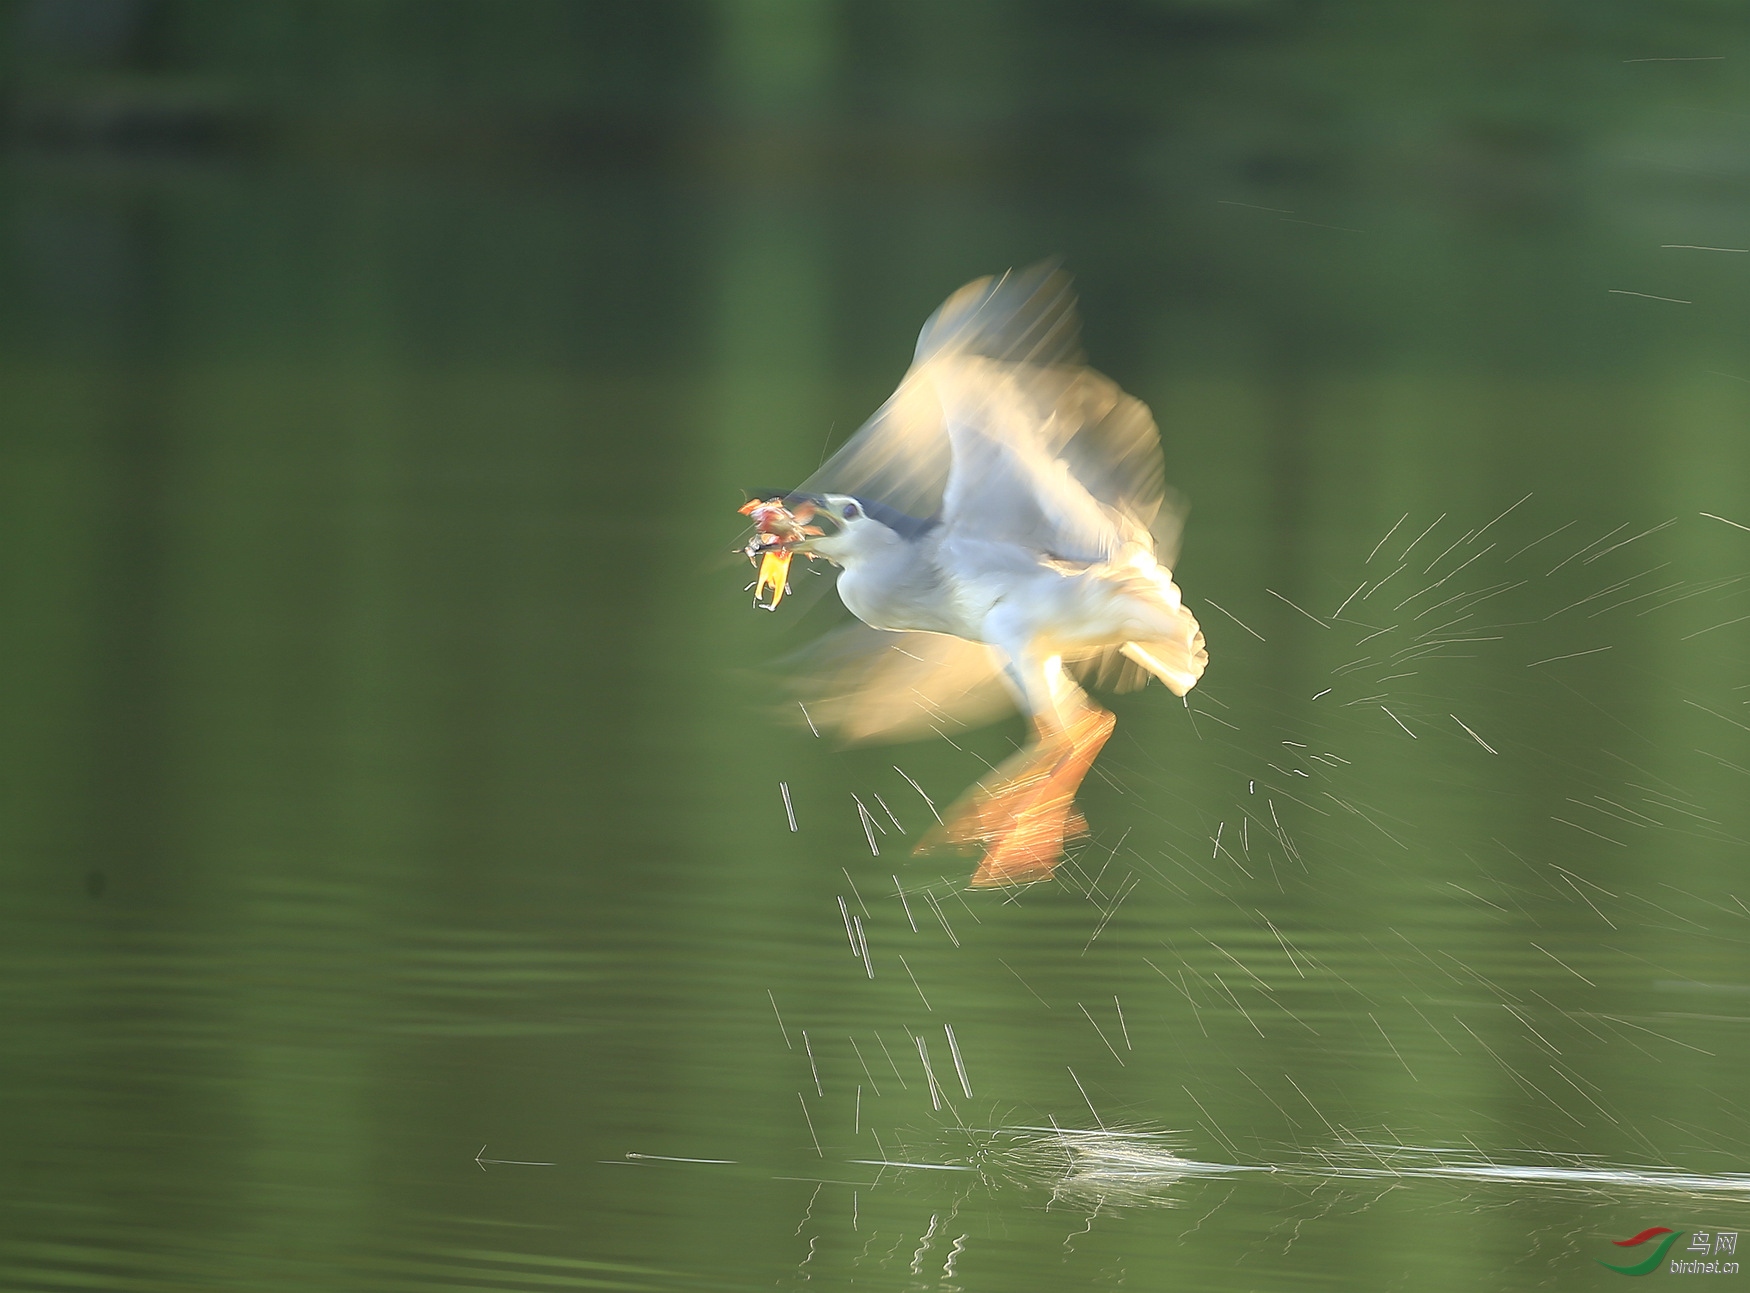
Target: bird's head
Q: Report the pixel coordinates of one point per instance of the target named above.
(858, 528)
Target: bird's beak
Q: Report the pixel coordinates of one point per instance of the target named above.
(807, 510)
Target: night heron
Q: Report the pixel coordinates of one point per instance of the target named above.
(1003, 528)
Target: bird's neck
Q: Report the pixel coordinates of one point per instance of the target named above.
(892, 587)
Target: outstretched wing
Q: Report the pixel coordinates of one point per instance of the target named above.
(871, 685)
(1059, 462)
(999, 428)
(901, 455)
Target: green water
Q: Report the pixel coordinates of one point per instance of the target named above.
(396, 873)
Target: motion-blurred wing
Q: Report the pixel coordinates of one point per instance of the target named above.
(1009, 479)
(901, 455)
(869, 685)
(1049, 454)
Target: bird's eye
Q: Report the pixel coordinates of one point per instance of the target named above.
(852, 511)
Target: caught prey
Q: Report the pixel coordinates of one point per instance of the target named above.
(1001, 528)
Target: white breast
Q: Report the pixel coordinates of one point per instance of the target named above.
(900, 588)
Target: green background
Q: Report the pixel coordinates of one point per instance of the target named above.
(387, 761)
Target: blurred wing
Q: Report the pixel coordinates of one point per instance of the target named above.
(1008, 482)
(1051, 456)
(1025, 316)
(1109, 442)
(898, 457)
(869, 685)
(901, 455)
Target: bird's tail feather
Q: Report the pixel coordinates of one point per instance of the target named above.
(1107, 669)
(1179, 664)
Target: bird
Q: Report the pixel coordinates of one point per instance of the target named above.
(1002, 532)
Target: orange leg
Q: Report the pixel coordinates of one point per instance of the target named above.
(1033, 846)
(1023, 813)
(990, 809)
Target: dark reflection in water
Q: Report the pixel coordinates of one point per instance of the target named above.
(399, 892)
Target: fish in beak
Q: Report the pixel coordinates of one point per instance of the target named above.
(780, 532)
